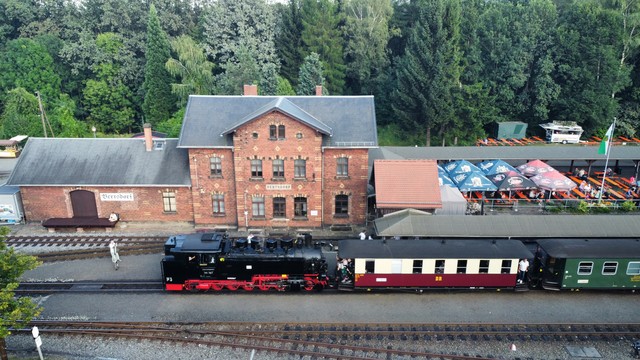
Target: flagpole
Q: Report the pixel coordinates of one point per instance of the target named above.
(606, 163)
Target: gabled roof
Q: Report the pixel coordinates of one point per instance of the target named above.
(100, 162)
(286, 107)
(347, 121)
(407, 184)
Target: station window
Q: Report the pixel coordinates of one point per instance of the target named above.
(342, 205)
(278, 168)
(218, 204)
(439, 267)
(370, 267)
(462, 267)
(484, 267)
(417, 266)
(279, 207)
(300, 168)
(342, 168)
(300, 207)
(506, 267)
(609, 268)
(585, 267)
(169, 201)
(633, 268)
(215, 163)
(258, 207)
(256, 168)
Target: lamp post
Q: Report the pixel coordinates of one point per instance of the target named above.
(93, 128)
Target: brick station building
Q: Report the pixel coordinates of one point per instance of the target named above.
(240, 162)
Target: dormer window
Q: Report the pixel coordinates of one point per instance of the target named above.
(158, 145)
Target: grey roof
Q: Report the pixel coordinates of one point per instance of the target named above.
(509, 226)
(511, 154)
(100, 162)
(589, 248)
(432, 249)
(350, 120)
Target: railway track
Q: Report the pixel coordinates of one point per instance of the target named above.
(50, 287)
(334, 341)
(64, 248)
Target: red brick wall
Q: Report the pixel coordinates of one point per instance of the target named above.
(354, 186)
(204, 185)
(41, 203)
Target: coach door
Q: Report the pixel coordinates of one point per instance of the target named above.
(83, 203)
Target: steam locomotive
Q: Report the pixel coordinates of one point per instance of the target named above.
(213, 261)
(202, 262)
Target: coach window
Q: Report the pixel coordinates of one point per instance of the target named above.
(216, 166)
(439, 267)
(610, 268)
(279, 207)
(370, 266)
(585, 267)
(342, 206)
(462, 267)
(218, 204)
(258, 207)
(342, 168)
(278, 169)
(506, 267)
(633, 268)
(169, 201)
(417, 266)
(300, 207)
(256, 168)
(484, 267)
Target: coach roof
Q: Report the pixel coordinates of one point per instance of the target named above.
(100, 162)
(591, 248)
(346, 121)
(431, 249)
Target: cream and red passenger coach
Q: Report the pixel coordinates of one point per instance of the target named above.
(448, 263)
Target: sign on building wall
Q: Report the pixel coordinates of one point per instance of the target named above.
(278, 186)
(116, 196)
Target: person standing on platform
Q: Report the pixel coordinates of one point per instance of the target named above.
(363, 235)
(523, 267)
(115, 258)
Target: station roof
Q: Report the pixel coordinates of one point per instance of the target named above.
(345, 121)
(420, 187)
(590, 248)
(99, 162)
(432, 249)
(413, 224)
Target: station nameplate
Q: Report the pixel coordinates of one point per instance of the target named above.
(116, 196)
(278, 186)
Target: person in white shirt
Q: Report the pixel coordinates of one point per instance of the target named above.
(523, 267)
(363, 235)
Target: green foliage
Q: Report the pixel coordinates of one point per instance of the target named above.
(628, 206)
(393, 135)
(20, 115)
(159, 101)
(63, 121)
(583, 207)
(284, 87)
(321, 35)
(288, 39)
(14, 310)
(172, 126)
(311, 74)
(192, 69)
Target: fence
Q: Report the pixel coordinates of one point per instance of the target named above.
(574, 206)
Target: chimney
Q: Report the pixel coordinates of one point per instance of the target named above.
(251, 90)
(318, 90)
(148, 137)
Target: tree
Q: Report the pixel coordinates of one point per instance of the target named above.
(311, 75)
(367, 34)
(20, 115)
(288, 39)
(192, 69)
(14, 312)
(428, 75)
(159, 102)
(322, 35)
(238, 73)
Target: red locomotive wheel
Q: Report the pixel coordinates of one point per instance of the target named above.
(309, 285)
(233, 287)
(248, 287)
(263, 287)
(216, 287)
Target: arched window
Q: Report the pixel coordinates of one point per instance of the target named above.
(342, 206)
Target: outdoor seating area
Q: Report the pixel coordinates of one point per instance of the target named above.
(495, 185)
(535, 140)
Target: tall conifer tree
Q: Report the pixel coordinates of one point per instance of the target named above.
(159, 101)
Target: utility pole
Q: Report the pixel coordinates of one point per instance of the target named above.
(44, 128)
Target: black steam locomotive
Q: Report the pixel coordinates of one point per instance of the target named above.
(213, 261)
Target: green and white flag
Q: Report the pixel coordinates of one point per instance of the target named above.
(604, 145)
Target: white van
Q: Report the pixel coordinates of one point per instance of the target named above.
(565, 132)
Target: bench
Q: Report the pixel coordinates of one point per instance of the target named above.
(80, 223)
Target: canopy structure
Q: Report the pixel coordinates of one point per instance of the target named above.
(495, 166)
(443, 179)
(535, 167)
(460, 167)
(553, 181)
(474, 181)
(511, 181)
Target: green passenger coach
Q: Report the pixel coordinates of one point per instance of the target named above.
(588, 264)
